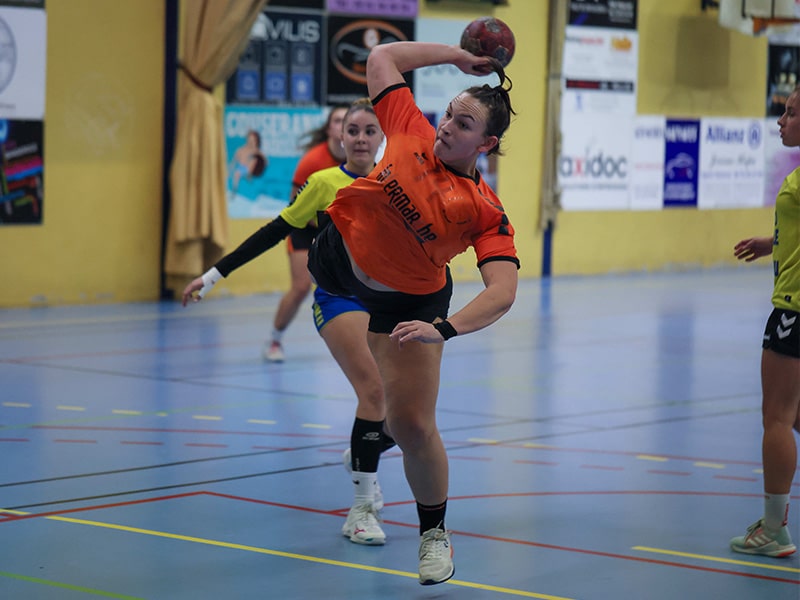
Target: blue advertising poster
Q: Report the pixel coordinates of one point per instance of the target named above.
(263, 149)
(283, 61)
(681, 153)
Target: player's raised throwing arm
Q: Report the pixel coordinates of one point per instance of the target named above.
(387, 62)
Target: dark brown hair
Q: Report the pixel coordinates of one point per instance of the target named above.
(497, 102)
(320, 134)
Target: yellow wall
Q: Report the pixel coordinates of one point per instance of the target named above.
(100, 240)
(599, 242)
(100, 237)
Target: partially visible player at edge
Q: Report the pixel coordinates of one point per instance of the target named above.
(780, 357)
(389, 240)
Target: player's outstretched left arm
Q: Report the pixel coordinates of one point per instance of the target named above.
(500, 278)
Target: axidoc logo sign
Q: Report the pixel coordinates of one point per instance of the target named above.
(594, 164)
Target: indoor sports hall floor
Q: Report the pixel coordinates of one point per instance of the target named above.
(604, 442)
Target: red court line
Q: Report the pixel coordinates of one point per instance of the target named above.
(537, 462)
(129, 352)
(14, 440)
(662, 472)
(135, 443)
(65, 441)
(343, 437)
(602, 467)
(736, 478)
(199, 445)
(6, 518)
(542, 545)
(192, 431)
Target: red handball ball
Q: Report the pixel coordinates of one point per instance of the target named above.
(488, 36)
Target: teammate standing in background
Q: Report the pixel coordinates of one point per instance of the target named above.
(323, 150)
(780, 357)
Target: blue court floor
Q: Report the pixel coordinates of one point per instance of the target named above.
(604, 443)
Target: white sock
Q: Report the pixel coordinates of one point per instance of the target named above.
(776, 510)
(364, 487)
(277, 335)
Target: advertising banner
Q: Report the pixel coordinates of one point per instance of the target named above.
(350, 40)
(616, 14)
(435, 86)
(731, 173)
(23, 36)
(681, 162)
(383, 8)
(593, 169)
(262, 192)
(600, 60)
(647, 163)
(21, 172)
(283, 61)
(779, 161)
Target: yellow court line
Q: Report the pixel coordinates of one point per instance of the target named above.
(292, 555)
(17, 404)
(262, 421)
(316, 426)
(709, 465)
(651, 457)
(730, 561)
(119, 411)
(75, 408)
(482, 441)
(207, 418)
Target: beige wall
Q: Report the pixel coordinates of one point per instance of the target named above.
(100, 240)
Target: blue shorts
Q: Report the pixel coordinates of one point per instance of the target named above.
(327, 306)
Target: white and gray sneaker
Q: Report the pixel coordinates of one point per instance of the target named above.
(377, 502)
(435, 557)
(363, 526)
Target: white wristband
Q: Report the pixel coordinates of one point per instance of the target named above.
(209, 278)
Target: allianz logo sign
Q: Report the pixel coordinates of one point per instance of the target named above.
(720, 134)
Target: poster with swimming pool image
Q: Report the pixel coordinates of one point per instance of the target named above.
(263, 148)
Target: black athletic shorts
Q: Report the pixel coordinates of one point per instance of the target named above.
(782, 334)
(330, 266)
(301, 239)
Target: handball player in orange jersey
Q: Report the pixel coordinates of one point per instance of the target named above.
(388, 240)
(324, 149)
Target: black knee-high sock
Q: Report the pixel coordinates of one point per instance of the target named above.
(366, 445)
(431, 517)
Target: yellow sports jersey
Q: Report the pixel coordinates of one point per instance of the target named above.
(786, 248)
(317, 194)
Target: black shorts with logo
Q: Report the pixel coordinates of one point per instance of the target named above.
(782, 334)
(330, 266)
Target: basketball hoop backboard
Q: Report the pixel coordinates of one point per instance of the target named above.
(759, 17)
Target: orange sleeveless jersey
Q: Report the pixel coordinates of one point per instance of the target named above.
(317, 158)
(405, 221)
